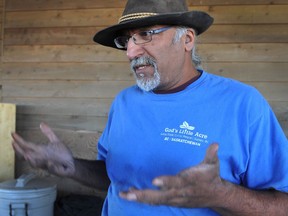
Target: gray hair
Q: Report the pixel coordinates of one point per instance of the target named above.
(180, 31)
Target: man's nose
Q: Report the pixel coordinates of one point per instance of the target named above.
(134, 50)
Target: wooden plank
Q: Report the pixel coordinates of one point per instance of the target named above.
(51, 36)
(243, 14)
(253, 72)
(62, 106)
(281, 111)
(93, 107)
(110, 71)
(20, 5)
(276, 91)
(256, 14)
(62, 53)
(284, 126)
(75, 123)
(86, 123)
(272, 91)
(249, 14)
(94, 123)
(63, 89)
(14, 5)
(62, 18)
(210, 52)
(1, 4)
(260, 33)
(244, 52)
(7, 125)
(1, 93)
(243, 71)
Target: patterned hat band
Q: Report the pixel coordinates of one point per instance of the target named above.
(135, 16)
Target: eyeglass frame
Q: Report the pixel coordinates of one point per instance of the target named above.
(148, 32)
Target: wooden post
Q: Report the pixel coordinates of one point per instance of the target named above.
(7, 125)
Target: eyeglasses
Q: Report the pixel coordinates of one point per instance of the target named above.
(138, 38)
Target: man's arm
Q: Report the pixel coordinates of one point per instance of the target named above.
(202, 187)
(57, 159)
(242, 201)
(91, 173)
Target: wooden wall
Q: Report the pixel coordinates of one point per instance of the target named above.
(53, 71)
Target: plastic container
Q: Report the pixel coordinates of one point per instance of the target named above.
(27, 196)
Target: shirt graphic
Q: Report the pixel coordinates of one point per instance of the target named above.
(186, 134)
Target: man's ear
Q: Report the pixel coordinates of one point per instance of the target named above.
(189, 40)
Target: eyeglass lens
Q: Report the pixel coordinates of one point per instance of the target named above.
(138, 38)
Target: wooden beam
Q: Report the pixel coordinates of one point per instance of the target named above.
(20, 5)
(7, 125)
(260, 33)
(234, 14)
(250, 52)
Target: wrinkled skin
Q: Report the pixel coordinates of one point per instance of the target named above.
(54, 156)
(190, 188)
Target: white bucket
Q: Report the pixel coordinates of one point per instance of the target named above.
(27, 196)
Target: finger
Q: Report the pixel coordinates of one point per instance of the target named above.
(148, 196)
(158, 197)
(211, 154)
(18, 150)
(17, 138)
(48, 132)
(166, 182)
(19, 142)
(20, 146)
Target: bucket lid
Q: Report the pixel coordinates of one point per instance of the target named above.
(27, 184)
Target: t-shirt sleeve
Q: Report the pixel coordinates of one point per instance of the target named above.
(268, 152)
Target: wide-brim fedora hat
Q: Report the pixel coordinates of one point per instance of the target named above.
(141, 13)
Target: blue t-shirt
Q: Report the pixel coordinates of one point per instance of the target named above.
(149, 135)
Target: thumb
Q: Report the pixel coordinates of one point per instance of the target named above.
(211, 156)
(48, 132)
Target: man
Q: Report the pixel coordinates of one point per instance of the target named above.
(157, 154)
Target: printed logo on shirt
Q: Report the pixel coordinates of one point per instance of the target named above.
(185, 125)
(186, 134)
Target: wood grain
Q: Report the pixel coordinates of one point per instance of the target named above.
(18, 5)
(236, 14)
(244, 52)
(83, 35)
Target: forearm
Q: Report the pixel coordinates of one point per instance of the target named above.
(238, 200)
(91, 173)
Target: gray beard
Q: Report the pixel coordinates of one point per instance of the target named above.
(144, 83)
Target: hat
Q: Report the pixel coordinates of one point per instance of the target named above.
(141, 13)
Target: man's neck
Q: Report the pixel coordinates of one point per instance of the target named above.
(181, 87)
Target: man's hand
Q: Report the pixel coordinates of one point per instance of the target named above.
(54, 157)
(191, 188)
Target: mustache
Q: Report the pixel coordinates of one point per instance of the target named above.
(143, 60)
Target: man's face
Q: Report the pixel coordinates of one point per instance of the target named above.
(157, 65)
